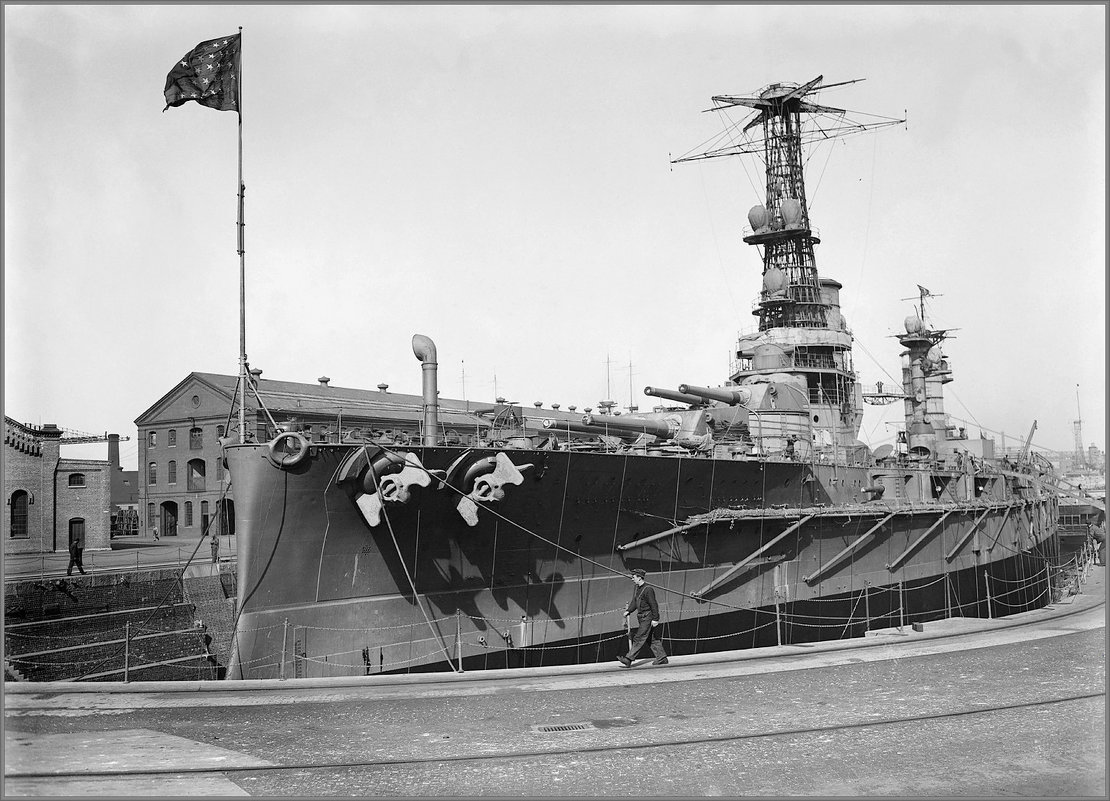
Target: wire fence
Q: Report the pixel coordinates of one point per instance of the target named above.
(69, 654)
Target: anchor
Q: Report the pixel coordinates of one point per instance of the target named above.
(486, 477)
(383, 477)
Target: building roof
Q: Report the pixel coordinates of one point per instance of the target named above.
(290, 398)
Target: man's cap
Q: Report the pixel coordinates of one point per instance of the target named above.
(639, 572)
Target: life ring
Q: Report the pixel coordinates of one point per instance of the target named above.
(288, 459)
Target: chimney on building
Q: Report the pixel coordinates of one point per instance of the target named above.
(323, 380)
(383, 387)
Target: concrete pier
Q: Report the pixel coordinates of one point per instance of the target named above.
(966, 707)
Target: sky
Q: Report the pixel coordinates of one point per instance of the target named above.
(499, 178)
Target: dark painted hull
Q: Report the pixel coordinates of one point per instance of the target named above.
(542, 578)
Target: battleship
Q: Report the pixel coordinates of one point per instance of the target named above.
(758, 514)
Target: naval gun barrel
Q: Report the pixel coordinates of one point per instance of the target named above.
(637, 425)
(667, 394)
(733, 397)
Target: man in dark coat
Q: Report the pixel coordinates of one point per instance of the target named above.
(75, 549)
(645, 606)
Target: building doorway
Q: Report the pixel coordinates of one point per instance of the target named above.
(169, 519)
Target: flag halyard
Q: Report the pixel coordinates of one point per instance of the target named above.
(208, 74)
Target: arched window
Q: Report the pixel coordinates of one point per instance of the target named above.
(18, 519)
(151, 514)
(188, 513)
(196, 439)
(171, 472)
(171, 438)
(152, 439)
(219, 468)
(77, 479)
(204, 513)
(196, 475)
(152, 473)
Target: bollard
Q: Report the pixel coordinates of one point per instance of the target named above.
(987, 585)
(284, 645)
(458, 638)
(126, 651)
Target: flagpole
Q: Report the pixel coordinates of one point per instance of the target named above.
(242, 259)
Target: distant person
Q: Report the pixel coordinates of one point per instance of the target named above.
(155, 530)
(215, 548)
(75, 549)
(789, 452)
(645, 606)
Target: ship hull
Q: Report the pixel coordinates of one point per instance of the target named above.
(768, 551)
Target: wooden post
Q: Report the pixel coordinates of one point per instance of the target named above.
(867, 607)
(947, 597)
(284, 645)
(458, 638)
(987, 584)
(901, 607)
(778, 620)
(126, 651)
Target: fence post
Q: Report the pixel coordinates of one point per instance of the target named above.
(778, 620)
(127, 651)
(987, 585)
(867, 606)
(523, 631)
(947, 596)
(458, 638)
(284, 646)
(901, 607)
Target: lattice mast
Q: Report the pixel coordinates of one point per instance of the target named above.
(791, 294)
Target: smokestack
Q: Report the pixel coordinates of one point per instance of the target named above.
(425, 350)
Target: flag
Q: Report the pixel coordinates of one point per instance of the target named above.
(208, 74)
(924, 292)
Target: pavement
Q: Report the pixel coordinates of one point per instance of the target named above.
(966, 707)
(127, 553)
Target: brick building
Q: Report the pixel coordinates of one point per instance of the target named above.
(50, 500)
(182, 481)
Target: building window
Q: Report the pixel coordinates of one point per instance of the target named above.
(196, 475)
(171, 472)
(18, 519)
(188, 513)
(152, 473)
(219, 431)
(77, 530)
(151, 515)
(196, 439)
(204, 512)
(152, 439)
(171, 438)
(77, 479)
(219, 468)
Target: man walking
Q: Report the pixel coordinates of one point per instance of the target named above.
(645, 606)
(76, 546)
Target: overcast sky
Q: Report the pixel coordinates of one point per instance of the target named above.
(498, 179)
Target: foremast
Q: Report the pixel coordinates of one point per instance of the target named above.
(801, 332)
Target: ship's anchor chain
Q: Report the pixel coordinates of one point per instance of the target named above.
(383, 477)
(482, 480)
